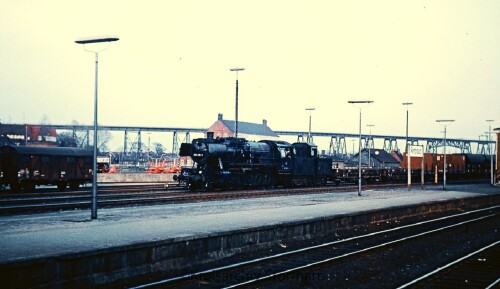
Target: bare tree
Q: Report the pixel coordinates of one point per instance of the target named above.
(103, 138)
(159, 149)
(66, 139)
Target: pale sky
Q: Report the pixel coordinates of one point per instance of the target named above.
(171, 64)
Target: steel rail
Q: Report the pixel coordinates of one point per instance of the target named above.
(63, 202)
(413, 282)
(357, 252)
(120, 196)
(302, 250)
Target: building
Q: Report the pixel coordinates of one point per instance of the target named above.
(247, 130)
(375, 158)
(29, 135)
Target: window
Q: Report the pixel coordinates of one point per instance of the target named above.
(282, 153)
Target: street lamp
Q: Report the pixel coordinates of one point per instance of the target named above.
(444, 122)
(490, 151)
(360, 104)
(236, 105)
(309, 138)
(408, 159)
(84, 42)
(407, 104)
(368, 144)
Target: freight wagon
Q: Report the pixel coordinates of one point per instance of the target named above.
(24, 168)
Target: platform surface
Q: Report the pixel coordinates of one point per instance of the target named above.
(31, 236)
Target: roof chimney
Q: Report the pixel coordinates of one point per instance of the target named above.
(264, 122)
(219, 117)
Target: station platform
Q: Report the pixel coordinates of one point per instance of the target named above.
(68, 249)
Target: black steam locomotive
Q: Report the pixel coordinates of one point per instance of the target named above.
(227, 163)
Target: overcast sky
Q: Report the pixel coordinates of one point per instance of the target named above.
(171, 64)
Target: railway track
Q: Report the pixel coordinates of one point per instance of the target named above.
(380, 259)
(145, 194)
(127, 195)
(479, 269)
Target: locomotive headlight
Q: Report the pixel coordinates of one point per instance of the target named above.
(200, 172)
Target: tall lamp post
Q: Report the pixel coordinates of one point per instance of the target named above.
(236, 69)
(444, 122)
(310, 109)
(490, 152)
(360, 104)
(84, 42)
(408, 158)
(407, 104)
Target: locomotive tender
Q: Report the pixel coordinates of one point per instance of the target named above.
(23, 167)
(239, 163)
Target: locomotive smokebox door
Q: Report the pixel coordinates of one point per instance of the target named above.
(186, 150)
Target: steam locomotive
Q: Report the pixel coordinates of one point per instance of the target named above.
(228, 163)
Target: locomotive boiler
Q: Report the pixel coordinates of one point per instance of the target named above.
(239, 163)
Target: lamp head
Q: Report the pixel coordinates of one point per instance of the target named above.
(98, 39)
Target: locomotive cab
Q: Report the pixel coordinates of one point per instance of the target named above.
(304, 159)
(283, 151)
(308, 168)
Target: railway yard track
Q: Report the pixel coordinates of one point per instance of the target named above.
(138, 194)
(46, 200)
(405, 256)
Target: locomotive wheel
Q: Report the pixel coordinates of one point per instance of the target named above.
(267, 181)
(61, 186)
(192, 187)
(259, 180)
(29, 187)
(15, 187)
(74, 186)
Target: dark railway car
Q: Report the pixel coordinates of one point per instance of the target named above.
(238, 163)
(27, 167)
(469, 166)
(459, 166)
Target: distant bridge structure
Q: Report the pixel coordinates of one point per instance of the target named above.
(337, 140)
(134, 146)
